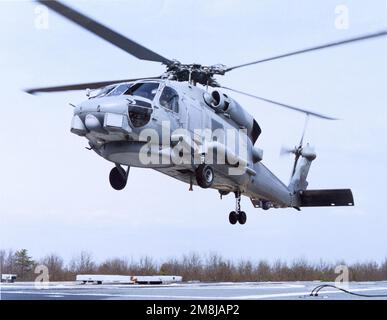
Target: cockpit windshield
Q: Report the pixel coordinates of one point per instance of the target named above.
(119, 90)
(146, 90)
(99, 93)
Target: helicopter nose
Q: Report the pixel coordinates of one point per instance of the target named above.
(101, 116)
(92, 123)
(102, 105)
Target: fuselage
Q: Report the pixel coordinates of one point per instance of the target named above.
(171, 127)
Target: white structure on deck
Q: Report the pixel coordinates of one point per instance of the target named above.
(157, 279)
(105, 279)
(99, 279)
(8, 277)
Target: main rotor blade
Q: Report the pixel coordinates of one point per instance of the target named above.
(305, 111)
(82, 86)
(104, 32)
(304, 130)
(327, 45)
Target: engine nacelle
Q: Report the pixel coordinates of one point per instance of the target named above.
(217, 100)
(220, 102)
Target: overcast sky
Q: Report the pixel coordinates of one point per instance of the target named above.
(55, 194)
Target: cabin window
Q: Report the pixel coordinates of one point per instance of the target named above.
(169, 99)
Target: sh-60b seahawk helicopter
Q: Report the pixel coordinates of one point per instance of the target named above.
(121, 118)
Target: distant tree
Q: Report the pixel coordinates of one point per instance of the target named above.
(218, 269)
(147, 266)
(280, 271)
(245, 271)
(190, 267)
(114, 266)
(83, 263)
(172, 266)
(193, 266)
(383, 269)
(9, 263)
(55, 264)
(301, 269)
(263, 271)
(2, 261)
(23, 264)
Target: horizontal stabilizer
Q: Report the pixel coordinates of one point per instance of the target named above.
(326, 198)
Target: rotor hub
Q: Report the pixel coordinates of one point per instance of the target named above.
(195, 73)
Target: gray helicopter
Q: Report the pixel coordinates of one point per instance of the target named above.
(174, 124)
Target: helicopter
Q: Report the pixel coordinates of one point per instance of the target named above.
(184, 125)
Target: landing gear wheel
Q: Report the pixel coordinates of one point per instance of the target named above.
(233, 217)
(204, 176)
(117, 180)
(266, 205)
(242, 217)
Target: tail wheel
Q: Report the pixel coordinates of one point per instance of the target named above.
(242, 217)
(266, 205)
(205, 176)
(117, 180)
(233, 217)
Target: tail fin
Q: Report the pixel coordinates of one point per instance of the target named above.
(314, 198)
(301, 168)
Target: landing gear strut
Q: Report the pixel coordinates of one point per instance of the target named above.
(118, 177)
(237, 215)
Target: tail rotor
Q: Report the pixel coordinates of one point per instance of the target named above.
(297, 150)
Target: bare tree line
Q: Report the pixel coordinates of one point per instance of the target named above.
(191, 267)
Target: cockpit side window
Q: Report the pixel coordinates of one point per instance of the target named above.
(146, 90)
(169, 99)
